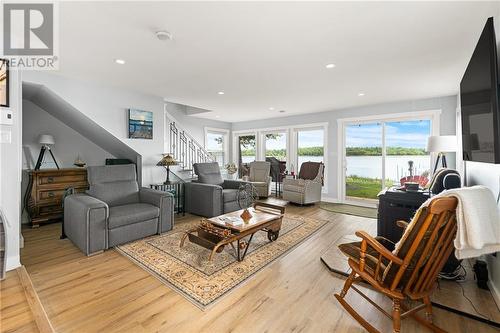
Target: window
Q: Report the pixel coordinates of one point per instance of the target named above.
(310, 147)
(379, 152)
(275, 145)
(216, 144)
(246, 148)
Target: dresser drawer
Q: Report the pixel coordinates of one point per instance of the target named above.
(62, 179)
(50, 209)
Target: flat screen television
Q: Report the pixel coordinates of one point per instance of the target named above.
(479, 101)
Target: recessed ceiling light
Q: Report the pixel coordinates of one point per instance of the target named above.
(330, 66)
(282, 111)
(120, 61)
(163, 35)
(221, 93)
(217, 116)
(361, 94)
(271, 109)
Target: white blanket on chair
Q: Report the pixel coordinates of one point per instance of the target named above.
(478, 221)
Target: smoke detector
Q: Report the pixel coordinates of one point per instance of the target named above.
(163, 35)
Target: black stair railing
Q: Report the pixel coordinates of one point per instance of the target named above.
(186, 150)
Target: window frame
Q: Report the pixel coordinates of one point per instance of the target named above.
(291, 145)
(225, 142)
(433, 115)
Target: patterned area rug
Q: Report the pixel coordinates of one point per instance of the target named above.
(203, 282)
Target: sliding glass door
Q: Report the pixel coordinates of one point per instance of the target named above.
(276, 145)
(310, 147)
(405, 150)
(246, 152)
(363, 160)
(382, 154)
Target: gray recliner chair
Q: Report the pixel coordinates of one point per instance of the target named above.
(307, 188)
(210, 195)
(115, 210)
(260, 179)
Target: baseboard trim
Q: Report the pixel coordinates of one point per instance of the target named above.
(41, 318)
(331, 200)
(494, 292)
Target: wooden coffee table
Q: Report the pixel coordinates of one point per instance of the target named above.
(217, 232)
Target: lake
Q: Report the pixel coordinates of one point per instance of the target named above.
(371, 166)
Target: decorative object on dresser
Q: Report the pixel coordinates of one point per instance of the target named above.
(79, 162)
(46, 140)
(166, 161)
(46, 189)
(440, 145)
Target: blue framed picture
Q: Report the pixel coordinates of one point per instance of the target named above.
(140, 124)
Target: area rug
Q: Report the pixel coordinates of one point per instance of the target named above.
(203, 282)
(349, 209)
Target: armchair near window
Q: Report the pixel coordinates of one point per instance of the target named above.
(211, 195)
(259, 177)
(115, 210)
(307, 188)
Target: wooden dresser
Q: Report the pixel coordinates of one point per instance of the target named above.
(46, 189)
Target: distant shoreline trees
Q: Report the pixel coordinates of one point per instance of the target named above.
(351, 151)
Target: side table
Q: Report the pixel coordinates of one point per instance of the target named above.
(177, 190)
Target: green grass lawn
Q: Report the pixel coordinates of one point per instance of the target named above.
(361, 187)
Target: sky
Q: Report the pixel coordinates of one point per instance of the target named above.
(407, 134)
(141, 115)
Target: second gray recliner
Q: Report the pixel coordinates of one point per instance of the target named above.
(211, 195)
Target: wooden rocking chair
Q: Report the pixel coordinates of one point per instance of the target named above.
(410, 271)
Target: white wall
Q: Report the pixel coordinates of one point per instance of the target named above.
(108, 107)
(446, 104)
(10, 173)
(191, 124)
(69, 143)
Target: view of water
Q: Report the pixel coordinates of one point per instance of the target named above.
(396, 166)
(371, 166)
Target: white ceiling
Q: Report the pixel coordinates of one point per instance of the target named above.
(273, 54)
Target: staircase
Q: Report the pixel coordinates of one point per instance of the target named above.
(186, 151)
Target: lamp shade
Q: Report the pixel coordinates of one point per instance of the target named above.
(442, 144)
(167, 160)
(46, 139)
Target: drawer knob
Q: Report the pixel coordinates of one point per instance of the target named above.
(50, 179)
(51, 194)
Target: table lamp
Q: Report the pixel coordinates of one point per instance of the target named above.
(46, 140)
(166, 162)
(441, 144)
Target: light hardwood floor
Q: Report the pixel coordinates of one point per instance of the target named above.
(16, 315)
(108, 293)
